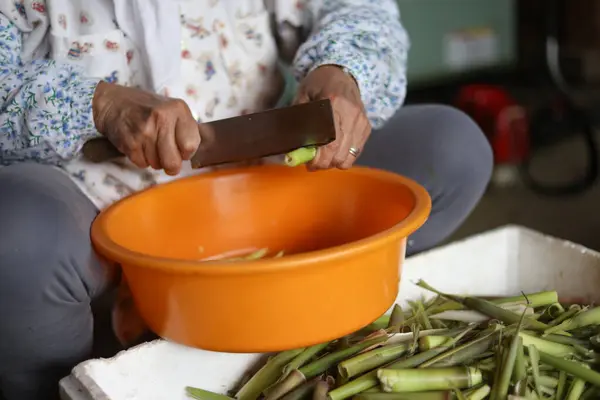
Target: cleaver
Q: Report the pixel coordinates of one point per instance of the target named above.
(250, 136)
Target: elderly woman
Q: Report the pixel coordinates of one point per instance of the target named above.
(143, 73)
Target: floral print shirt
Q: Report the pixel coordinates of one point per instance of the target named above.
(54, 52)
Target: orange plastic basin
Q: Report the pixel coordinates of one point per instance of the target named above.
(345, 233)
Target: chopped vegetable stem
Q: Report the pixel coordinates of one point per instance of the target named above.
(572, 368)
(300, 156)
(200, 394)
(304, 357)
(576, 390)
(322, 364)
(372, 359)
(266, 376)
(414, 380)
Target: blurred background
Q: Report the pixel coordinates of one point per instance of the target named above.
(529, 73)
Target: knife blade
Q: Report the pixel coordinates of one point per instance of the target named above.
(250, 136)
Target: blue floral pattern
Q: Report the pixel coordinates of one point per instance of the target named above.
(366, 38)
(45, 107)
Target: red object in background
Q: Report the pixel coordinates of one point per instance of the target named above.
(501, 118)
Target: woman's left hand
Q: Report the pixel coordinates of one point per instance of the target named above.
(351, 123)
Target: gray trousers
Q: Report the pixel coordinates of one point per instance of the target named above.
(50, 276)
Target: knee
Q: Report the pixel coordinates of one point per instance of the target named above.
(39, 227)
(460, 147)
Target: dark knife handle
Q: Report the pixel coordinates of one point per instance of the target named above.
(99, 150)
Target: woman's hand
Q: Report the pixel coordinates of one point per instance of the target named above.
(151, 130)
(351, 122)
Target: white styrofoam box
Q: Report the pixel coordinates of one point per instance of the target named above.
(503, 262)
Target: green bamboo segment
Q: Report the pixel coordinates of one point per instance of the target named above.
(580, 320)
(573, 368)
(534, 300)
(565, 316)
(561, 387)
(429, 342)
(322, 364)
(555, 349)
(301, 359)
(266, 376)
(291, 381)
(396, 318)
(303, 391)
(520, 370)
(404, 396)
(300, 156)
(321, 389)
(479, 393)
(414, 380)
(200, 394)
(367, 361)
(461, 353)
(369, 380)
(591, 393)
(488, 308)
(501, 387)
(576, 390)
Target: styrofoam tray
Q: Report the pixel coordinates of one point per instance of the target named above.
(501, 262)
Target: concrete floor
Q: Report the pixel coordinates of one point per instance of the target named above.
(574, 218)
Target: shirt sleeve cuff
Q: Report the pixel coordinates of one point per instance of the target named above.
(354, 64)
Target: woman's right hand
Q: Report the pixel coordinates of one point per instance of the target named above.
(151, 130)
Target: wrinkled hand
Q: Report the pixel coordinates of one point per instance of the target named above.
(151, 130)
(352, 125)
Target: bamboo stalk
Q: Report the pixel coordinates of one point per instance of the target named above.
(470, 316)
(562, 339)
(572, 368)
(324, 363)
(396, 318)
(266, 376)
(302, 391)
(293, 379)
(520, 371)
(554, 310)
(200, 394)
(429, 342)
(422, 317)
(372, 359)
(488, 308)
(304, 357)
(548, 381)
(459, 395)
(555, 349)
(411, 380)
(300, 156)
(564, 316)
(501, 387)
(369, 380)
(479, 393)
(520, 388)
(534, 359)
(396, 338)
(442, 395)
(582, 319)
(561, 386)
(462, 352)
(533, 300)
(576, 390)
(322, 388)
(591, 393)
